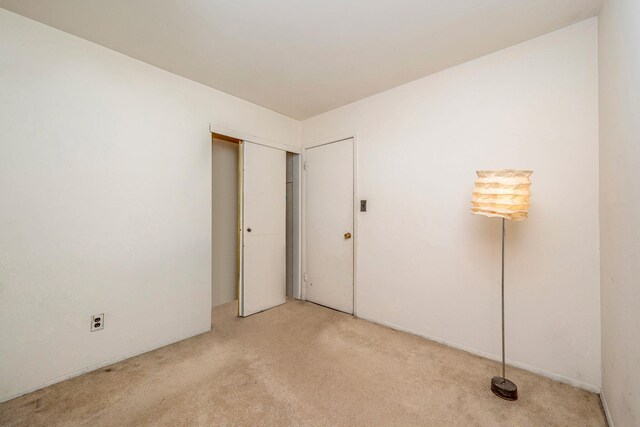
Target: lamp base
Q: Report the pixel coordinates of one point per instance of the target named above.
(504, 388)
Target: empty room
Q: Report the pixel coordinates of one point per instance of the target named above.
(320, 213)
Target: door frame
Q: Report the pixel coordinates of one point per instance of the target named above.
(314, 144)
(243, 136)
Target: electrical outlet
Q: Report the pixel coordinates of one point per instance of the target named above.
(97, 322)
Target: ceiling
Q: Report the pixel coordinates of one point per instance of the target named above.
(304, 57)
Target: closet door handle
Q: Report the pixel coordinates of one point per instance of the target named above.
(347, 236)
(248, 230)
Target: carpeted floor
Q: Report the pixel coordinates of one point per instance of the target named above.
(302, 365)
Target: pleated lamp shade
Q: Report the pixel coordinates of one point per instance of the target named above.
(502, 193)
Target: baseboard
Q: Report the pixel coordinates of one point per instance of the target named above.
(538, 371)
(605, 406)
(90, 368)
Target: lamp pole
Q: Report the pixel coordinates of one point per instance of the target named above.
(502, 291)
(501, 386)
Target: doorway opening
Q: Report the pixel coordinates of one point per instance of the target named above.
(239, 232)
(224, 221)
(293, 198)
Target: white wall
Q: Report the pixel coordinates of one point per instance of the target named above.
(619, 45)
(105, 184)
(224, 263)
(425, 264)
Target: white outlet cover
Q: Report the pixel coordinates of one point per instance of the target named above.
(97, 319)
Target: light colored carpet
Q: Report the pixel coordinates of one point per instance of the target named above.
(302, 365)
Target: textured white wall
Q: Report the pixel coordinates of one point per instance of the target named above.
(224, 271)
(425, 264)
(105, 206)
(619, 44)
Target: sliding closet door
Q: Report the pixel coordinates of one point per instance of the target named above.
(262, 228)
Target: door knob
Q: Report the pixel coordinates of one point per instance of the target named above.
(347, 236)
(248, 230)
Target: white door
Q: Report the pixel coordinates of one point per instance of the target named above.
(329, 224)
(262, 228)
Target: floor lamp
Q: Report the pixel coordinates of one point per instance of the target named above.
(502, 194)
